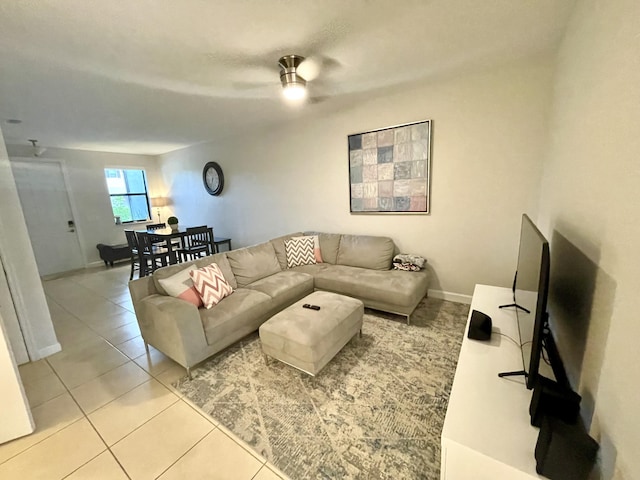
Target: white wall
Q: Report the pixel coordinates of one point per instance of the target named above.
(21, 270)
(10, 320)
(89, 195)
(590, 204)
(15, 415)
(488, 140)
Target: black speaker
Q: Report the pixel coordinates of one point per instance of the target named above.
(551, 399)
(564, 452)
(479, 326)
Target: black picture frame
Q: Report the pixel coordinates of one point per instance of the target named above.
(390, 170)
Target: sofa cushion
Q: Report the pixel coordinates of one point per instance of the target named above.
(329, 243)
(253, 263)
(299, 251)
(210, 284)
(278, 246)
(394, 287)
(310, 269)
(284, 287)
(181, 286)
(243, 310)
(366, 251)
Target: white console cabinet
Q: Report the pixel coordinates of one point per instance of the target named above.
(487, 433)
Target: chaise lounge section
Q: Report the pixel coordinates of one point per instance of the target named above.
(357, 266)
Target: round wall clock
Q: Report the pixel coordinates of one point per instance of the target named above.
(213, 178)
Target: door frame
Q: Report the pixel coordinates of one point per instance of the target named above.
(70, 197)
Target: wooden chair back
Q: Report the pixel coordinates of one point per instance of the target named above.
(156, 226)
(198, 241)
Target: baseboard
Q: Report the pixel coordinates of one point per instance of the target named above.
(450, 296)
(50, 350)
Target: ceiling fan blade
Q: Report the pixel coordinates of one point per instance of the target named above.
(312, 66)
(309, 69)
(317, 99)
(250, 85)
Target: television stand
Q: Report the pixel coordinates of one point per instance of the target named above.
(487, 433)
(515, 305)
(515, 373)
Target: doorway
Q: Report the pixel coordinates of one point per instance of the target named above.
(45, 202)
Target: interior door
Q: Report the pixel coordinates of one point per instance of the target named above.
(47, 211)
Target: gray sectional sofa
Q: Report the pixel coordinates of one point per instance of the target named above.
(358, 266)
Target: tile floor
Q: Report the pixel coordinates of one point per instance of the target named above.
(104, 409)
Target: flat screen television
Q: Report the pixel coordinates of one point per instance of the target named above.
(530, 293)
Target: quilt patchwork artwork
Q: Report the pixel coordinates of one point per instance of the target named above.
(389, 169)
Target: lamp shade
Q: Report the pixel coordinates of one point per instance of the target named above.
(159, 201)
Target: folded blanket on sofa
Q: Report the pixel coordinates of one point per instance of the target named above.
(405, 261)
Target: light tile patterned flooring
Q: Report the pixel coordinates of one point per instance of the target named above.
(104, 409)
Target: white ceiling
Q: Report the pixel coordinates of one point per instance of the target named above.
(151, 76)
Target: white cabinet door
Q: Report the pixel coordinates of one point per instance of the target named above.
(15, 415)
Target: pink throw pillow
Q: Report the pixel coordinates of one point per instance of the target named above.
(181, 286)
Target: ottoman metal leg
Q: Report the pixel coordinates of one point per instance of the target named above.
(360, 333)
(266, 358)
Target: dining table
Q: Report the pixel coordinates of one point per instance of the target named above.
(167, 234)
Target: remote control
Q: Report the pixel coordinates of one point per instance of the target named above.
(312, 307)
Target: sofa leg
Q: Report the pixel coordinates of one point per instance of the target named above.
(189, 373)
(266, 358)
(408, 319)
(146, 346)
(360, 333)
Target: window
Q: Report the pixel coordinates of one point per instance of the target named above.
(128, 191)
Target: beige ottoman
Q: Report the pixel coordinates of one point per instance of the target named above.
(308, 339)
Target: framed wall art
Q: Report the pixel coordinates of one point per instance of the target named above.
(389, 169)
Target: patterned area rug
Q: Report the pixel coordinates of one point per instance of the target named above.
(374, 412)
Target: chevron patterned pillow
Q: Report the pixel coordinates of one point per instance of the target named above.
(299, 251)
(316, 246)
(210, 284)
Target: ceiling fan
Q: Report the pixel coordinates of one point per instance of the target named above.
(297, 74)
(294, 85)
(297, 71)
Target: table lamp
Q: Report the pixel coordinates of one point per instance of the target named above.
(158, 202)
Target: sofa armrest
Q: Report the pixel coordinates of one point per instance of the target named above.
(173, 326)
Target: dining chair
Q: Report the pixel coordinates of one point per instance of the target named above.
(152, 256)
(132, 241)
(175, 242)
(156, 226)
(197, 242)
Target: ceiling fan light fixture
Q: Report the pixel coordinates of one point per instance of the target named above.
(37, 151)
(293, 85)
(294, 91)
